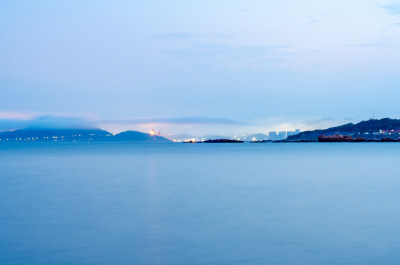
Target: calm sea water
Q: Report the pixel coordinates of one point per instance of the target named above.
(303, 203)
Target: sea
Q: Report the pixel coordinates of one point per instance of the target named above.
(172, 204)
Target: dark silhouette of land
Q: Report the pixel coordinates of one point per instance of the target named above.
(383, 130)
(347, 138)
(370, 130)
(223, 141)
(76, 135)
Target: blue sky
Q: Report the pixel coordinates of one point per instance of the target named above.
(199, 66)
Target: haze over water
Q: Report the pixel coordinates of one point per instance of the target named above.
(305, 203)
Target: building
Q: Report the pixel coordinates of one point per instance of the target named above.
(282, 135)
(272, 136)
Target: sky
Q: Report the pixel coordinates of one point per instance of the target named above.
(198, 67)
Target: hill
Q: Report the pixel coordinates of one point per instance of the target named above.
(50, 135)
(75, 135)
(135, 136)
(256, 137)
(370, 129)
(215, 137)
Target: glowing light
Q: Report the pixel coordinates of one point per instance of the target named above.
(152, 132)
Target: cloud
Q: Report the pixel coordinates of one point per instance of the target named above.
(174, 36)
(311, 20)
(17, 115)
(323, 123)
(393, 9)
(286, 123)
(20, 121)
(234, 53)
(187, 36)
(366, 45)
(43, 121)
(317, 122)
(221, 36)
(179, 120)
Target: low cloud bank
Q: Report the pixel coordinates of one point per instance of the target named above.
(44, 121)
(55, 121)
(178, 120)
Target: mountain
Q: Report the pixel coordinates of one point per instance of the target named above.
(370, 129)
(75, 135)
(136, 136)
(182, 137)
(256, 137)
(46, 135)
(215, 137)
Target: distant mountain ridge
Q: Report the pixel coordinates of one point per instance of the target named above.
(256, 137)
(370, 129)
(76, 135)
(139, 137)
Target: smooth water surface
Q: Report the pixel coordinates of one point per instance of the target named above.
(299, 203)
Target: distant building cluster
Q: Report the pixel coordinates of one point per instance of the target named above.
(273, 136)
(375, 134)
(73, 135)
(57, 138)
(389, 132)
(281, 135)
(178, 139)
